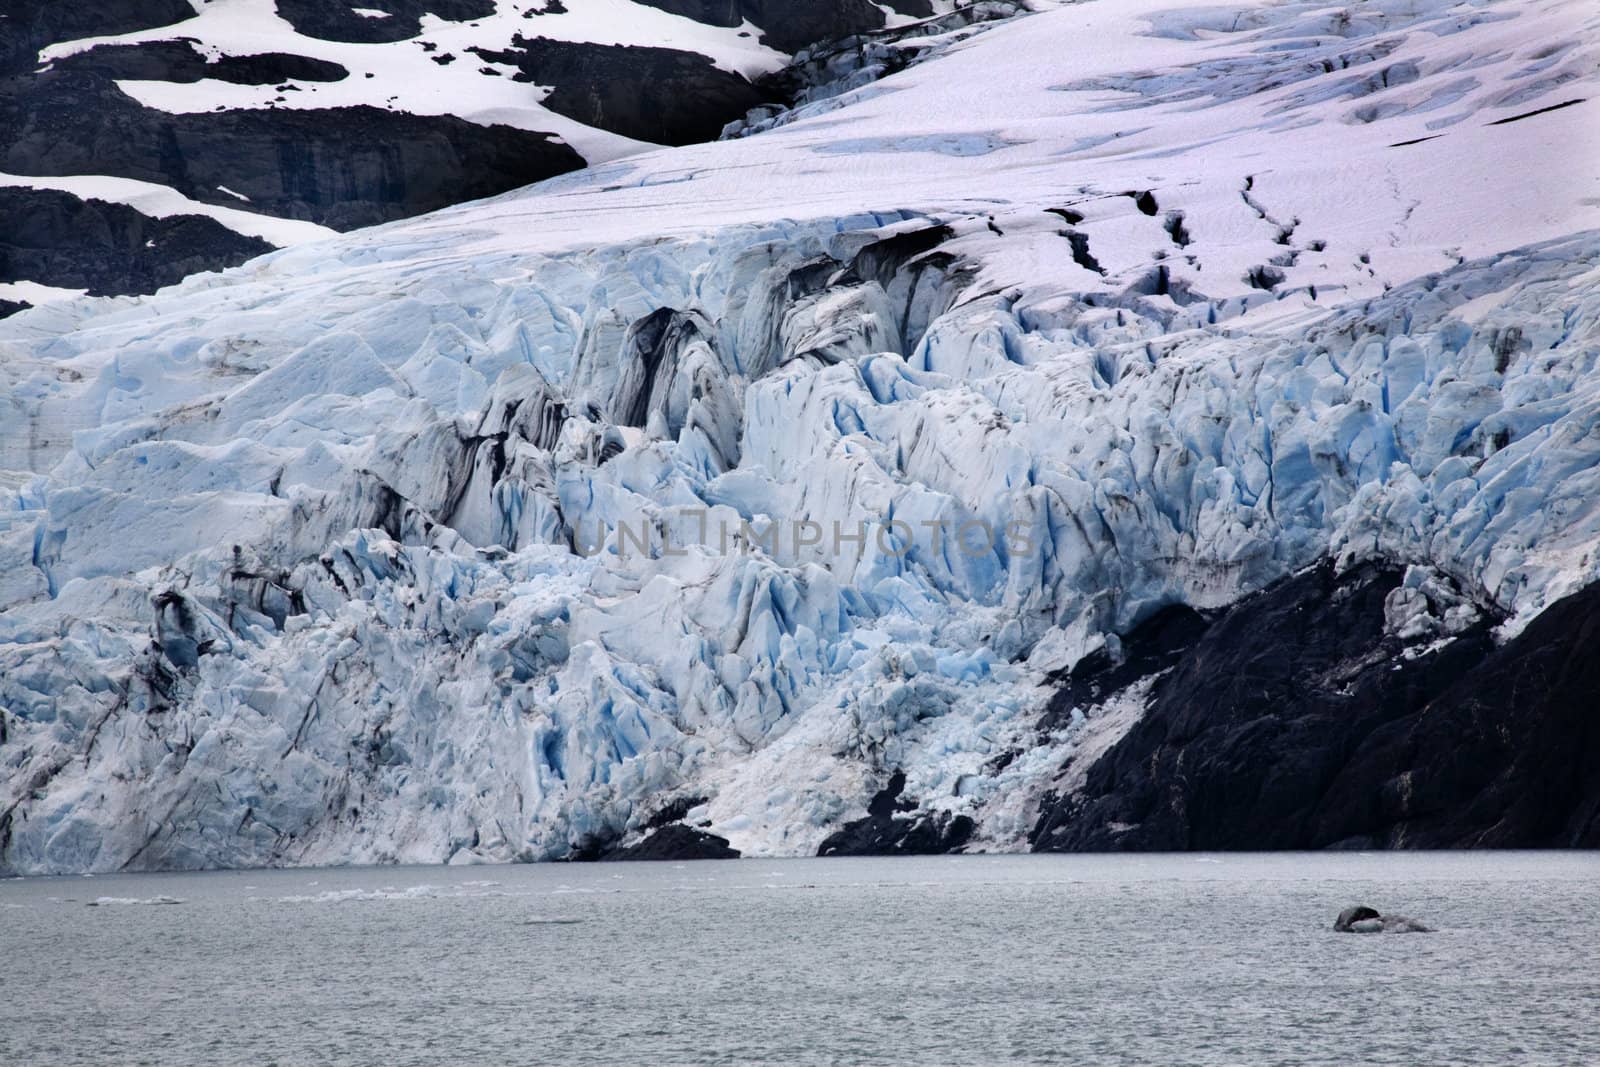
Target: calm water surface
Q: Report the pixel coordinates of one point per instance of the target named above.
(953, 960)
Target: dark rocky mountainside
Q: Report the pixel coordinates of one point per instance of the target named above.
(650, 94)
(1293, 721)
(344, 166)
(30, 25)
(676, 842)
(58, 239)
(341, 22)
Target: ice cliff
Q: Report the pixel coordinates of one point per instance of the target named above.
(718, 485)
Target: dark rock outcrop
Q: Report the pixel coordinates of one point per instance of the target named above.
(339, 22)
(884, 833)
(57, 239)
(30, 25)
(180, 61)
(676, 842)
(1352, 915)
(650, 94)
(1295, 722)
(344, 167)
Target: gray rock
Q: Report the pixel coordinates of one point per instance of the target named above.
(1360, 919)
(1347, 919)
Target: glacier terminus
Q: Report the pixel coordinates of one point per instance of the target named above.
(1188, 441)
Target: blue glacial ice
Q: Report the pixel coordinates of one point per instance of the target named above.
(488, 535)
(307, 587)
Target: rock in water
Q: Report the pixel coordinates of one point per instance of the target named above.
(1347, 919)
(1360, 919)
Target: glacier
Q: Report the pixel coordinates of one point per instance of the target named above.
(509, 532)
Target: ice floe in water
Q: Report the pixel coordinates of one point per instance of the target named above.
(414, 892)
(112, 902)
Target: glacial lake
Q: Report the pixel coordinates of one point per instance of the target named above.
(971, 960)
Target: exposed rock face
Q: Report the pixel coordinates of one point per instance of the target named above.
(884, 833)
(57, 239)
(677, 842)
(344, 168)
(650, 94)
(180, 61)
(1352, 915)
(1295, 720)
(31, 26)
(339, 22)
(355, 164)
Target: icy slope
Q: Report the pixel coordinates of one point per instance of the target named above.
(501, 532)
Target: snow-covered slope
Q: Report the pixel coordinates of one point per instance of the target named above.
(319, 115)
(714, 485)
